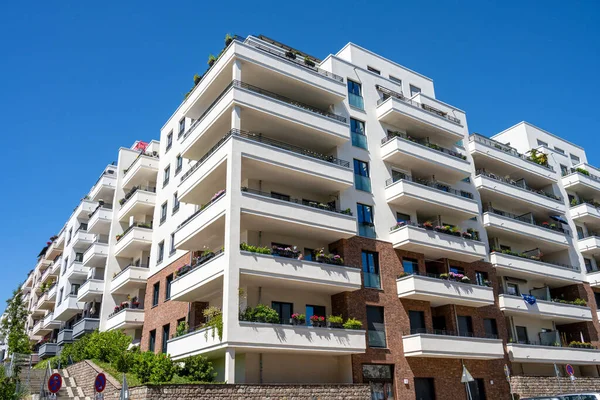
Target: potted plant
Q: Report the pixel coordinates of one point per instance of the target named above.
(290, 54)
(352, 323)
(197, 79)
(228, 39)
(428, 225)
(116, 309)
(211, 60)
(335, 321)
(444, 276)
(308, 61)
(465, 279)
(134, 302)
(317, 320)
(298, 319)
(347, 211)
(467, 235)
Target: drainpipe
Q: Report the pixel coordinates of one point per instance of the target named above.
(259, 294)
(260, 368)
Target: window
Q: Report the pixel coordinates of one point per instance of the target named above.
(78, 257)
(542, 143)
(161, 252)
(574, 158)
(564, 170)
(370, 266)
(152, 340)
(481, 278)
(64, 269)
(357, 130)
(424, 389)
(70, 235)
(355, 95)
(366, 227)
(178, 164)
(512, 289)
(417, 322)
(588, 265)
(155, 293)
(477, 389)
(396, 80)
(285, 311)
(361, 176)
(381, 379)
(168, 287)
(314, 310)
(376, 71)
(163, 212)
(165, 338)
(410, 265)
(491, 328)
(172, 248)
(561, 151)
(74, 289)
(376, 326)
(60, 296)
(414, 90)
(522, 334)
(166, 176)
(181, 127)
(169, 141)
(175, 203)
(401, 217)
(580, 234)
(465, 325)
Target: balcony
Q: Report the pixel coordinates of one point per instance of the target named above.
(589, 245)
(95, 256)
(558, 312)
(129, 279)
(68, 308)
(525, 353)
(416, 238)
(593, 278)
(49, 323)
(410, 153)
(319, 171)
(421, 114)
(37, 327)
(43, 264)
(104, 187)
(495, 156)
(443, 344)
(524, 228)
(54, 250)
(135, 239)
(280, 115)
(85, 325)
(47, 350)
(587, 213)
(205, 227)
(128, 318)
(259, 337)
(52, 293)
(44, 302)
(526, 267)
(64, 336)
(431, 198)
(584, 180)
(100, 220)
(138, 201)
(441, 292)
(498, 189)
(55, 267)
(90, 290)
(82, 239)
(142, 170)
(77, 271)
(202, 281)
(85, 207)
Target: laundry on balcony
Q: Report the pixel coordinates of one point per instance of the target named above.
(529, 299)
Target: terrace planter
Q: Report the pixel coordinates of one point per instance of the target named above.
(290, 54)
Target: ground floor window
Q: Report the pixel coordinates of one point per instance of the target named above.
(477, 388)
(424, 389)
(381, 380)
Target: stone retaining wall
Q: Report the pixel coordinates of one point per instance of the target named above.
(529, 386)
(85, 373)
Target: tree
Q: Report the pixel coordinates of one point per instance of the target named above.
(13, 325)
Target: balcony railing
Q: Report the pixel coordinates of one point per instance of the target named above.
(198, 262)
(387, 93)
(127, 268)
(519, 183)
(468, 235)
(445, 332)
(474, 137)
(100, 206)
(129, 195)
(304, 202)
(112, 314)
(134, 225)
(154, 154)
(398, 176)
(448, 276)
(528, 219)
(423, 142)
(533, 258)
(582, 171)
(215, 198)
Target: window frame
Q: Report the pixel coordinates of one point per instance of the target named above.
(166, 175)
(169, 141)
(155, 294)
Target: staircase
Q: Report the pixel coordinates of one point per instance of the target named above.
(69, 389)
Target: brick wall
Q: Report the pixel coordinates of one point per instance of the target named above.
(446, 372)
(85, 373)
(258, 392)
(167, 311)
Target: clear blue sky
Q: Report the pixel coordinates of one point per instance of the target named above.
(79, 79)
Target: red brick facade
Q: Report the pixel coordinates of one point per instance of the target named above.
(445, 372)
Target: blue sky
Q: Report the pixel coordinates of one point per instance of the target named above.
(79, 79)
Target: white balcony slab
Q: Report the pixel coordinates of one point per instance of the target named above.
(200, 283)
(129, 279)
(68, 308)
(85, 208)
(593, 278)
(92, 289)
(585, 213)
(526, 268)
(559, 312)
(584, 185)
(589, 246)
(54, 250)
(104, 188)
(518, 230)
(143, 169)
(137, 239)
(95, 256)
(437, 245)
(441, 292)
(99, 222)
(142, 202)
(422, 198)
(414, 156)
(128, 318)
(77, 271)
(524, 353)
(82, 239)
(206, 228)
(50, 323)
(444, 346)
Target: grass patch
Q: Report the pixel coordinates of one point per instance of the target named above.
(132, 380)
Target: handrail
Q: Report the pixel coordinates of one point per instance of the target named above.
(432, 184)
(472, 235)
(422, 142)
(582, 171)
(142, 153)
(135, 225)
(127, 268)
(525, 219)
(400, 96)
(215, 198)
(129, 195)
(505, 148)
(444, 332)
(313, 204)
(103, 206)
(567, 266)
(523, 185)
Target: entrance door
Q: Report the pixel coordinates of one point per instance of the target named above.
(477, 389)
(424, 389)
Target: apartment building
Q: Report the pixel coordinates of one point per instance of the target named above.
(334, 187)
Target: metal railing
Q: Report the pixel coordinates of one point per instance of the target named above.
(129, 195)
(151, 155)
(505, 148)
(447, 278)
(121, 272)
(202, 208)
(398, 176)
(307, 203)
(400, 96)
(135, 225)
(526, 218)
(474, 235)
(103, 206)
(582, 171)
(423, 142)
(520, 184)
(445, 332)
(521, 255)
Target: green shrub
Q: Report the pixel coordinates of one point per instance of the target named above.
(214, 320)
(124, 361)
(163, 369)
(352, 323)
(142, 366)
(255, 249)
(198, 369)
(182, 329)
(261, 313)
(335, 319)
(107, 346)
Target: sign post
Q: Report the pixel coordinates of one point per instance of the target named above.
(571, 373)
(124, 389)
(54, 384)
(557, 373)
(99, 386)
(507, 373)
(466, 378)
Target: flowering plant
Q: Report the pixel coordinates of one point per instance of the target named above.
(217, 195)
(299, 317)
(317, 318)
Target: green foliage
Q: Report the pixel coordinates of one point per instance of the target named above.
(163, 369)
(110, 369)
(211, 60)
(214, 320)
(124, 361)
(142, 366)
(182, 329)
(255, 249)
(582, 171)
(261, 313)
(13, 325)
(198, 369)
(107, 346)
(335, 319)
(352, 323)
(8, 387)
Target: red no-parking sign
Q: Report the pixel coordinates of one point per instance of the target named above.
(54, 383)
